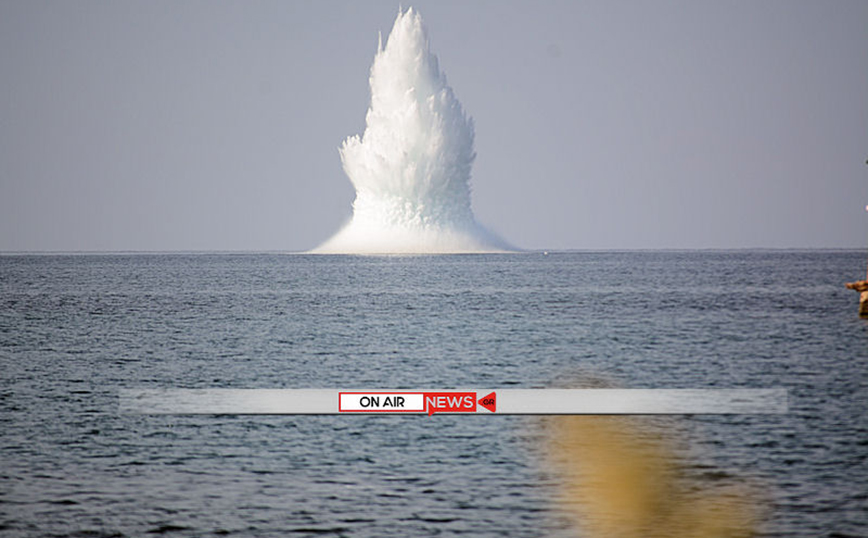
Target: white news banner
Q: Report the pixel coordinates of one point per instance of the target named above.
(429, 402)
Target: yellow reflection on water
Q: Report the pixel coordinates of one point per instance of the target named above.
(623, 477)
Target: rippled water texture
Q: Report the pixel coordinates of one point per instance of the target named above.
(76, 329)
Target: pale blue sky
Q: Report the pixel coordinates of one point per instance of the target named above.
(201, 125)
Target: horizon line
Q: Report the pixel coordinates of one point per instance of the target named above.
(520, 251)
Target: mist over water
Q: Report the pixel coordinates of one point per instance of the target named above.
(411, 167)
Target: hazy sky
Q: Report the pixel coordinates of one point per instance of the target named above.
(202, 125)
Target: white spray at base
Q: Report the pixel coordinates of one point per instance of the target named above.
(411, 167)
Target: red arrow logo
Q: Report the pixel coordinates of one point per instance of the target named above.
(489, 402)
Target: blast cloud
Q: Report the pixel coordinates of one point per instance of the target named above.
(411, 167)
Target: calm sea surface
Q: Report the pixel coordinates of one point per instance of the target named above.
(75, 329)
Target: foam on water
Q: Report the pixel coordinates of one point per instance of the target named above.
(411, 167)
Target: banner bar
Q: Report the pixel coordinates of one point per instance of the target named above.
(431, 401)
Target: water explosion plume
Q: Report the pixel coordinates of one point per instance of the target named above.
(411, 167)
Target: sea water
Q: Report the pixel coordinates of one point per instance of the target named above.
(75, 329)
